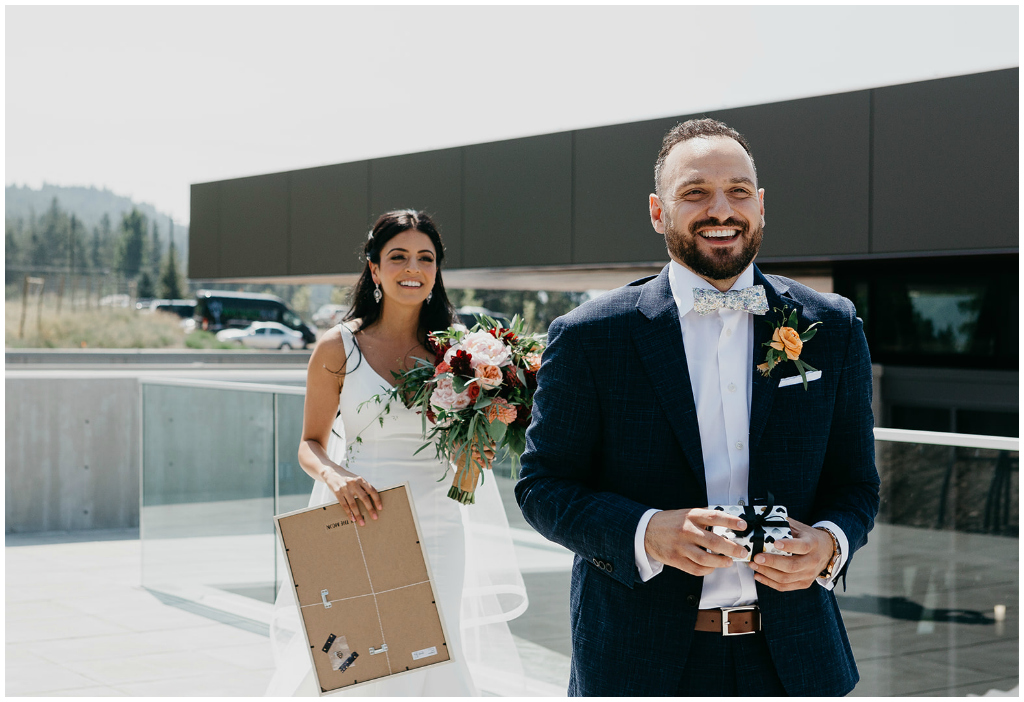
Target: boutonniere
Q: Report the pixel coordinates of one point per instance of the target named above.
(787, 344)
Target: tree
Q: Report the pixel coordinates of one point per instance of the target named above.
(95, 250)
(12, 246)
(50, 237)
(145, 289)
(77, 259)
(103, 248)
(171, 284)
(154, 252)
(132, 243)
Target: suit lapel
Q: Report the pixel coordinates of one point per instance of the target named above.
(658, 339)
(763, 388)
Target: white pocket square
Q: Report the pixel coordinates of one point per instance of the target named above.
(793, 380)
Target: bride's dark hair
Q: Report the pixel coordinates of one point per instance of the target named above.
(436, 314)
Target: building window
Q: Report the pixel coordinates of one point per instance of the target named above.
(958, 312)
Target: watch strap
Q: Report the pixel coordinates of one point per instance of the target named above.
(836, 553)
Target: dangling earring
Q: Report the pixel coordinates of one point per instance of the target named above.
(377, 294)
(430, 296)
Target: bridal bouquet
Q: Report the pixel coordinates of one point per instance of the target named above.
(477, 393)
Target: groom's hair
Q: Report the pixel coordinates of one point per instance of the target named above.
(691, 129)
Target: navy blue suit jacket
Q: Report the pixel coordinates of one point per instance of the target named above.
(615, 433)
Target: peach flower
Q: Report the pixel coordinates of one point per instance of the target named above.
(489, 376)
(786, 339)
(534, 360)
(442, 368)
(501, 410)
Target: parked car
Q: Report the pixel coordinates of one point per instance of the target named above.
(221, 309)
(183, 308)
(467, 315)
(329, 315)
(264, 335)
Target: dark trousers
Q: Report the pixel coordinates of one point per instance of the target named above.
(729, 666)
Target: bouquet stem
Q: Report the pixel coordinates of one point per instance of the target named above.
(463, 489)
(461, 496)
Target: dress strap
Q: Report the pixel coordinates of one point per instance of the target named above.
(348, 338)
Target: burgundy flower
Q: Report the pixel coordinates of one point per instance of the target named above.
(504, 335)
(523, 416)
(511, 378)
(473, 391)
(460, 363)
(531, 379)
(437, 348)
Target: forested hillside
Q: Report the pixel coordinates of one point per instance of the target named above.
(89, 205)
(86, 234)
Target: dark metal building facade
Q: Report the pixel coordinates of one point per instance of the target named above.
(903, 198)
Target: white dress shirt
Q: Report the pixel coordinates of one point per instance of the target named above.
(720, 360)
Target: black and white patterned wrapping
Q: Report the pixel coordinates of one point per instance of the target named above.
(772, 532)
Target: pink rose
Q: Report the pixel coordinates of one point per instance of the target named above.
(489, 376)
(442, 368)
(445, 397)
(484, 348)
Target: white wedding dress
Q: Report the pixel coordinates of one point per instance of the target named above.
(483, 652)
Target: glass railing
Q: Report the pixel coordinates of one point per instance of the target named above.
(218, 462)
(930, 603)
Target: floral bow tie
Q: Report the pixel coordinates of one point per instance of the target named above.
(750, 300)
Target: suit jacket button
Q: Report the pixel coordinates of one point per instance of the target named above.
(609, 567)
(692, 600)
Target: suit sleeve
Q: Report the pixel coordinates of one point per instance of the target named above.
(557, 489)
(848, 488)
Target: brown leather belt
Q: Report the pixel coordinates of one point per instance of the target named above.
(730, 621)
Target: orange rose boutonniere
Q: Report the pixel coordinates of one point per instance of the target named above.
(787, 344)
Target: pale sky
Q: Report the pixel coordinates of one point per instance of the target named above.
(146, 100)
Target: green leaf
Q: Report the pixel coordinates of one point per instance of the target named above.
(792, 319)
(484, 401)
(496, 430)
(803, 373)
(808, 334)
(459, 384)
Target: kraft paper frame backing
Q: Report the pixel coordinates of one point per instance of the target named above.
(379, 588)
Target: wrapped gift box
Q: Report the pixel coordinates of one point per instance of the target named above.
(764, 529)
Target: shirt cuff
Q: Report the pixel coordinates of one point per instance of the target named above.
(844, 553)
(645, 565)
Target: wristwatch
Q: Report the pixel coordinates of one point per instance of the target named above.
(836, 553)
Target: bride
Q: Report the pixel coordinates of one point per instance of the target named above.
(397, 300)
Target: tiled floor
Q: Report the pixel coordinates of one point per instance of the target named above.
(79, 623)
(918, 608)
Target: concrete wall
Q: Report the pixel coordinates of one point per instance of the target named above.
(72, 453)
(72, 449)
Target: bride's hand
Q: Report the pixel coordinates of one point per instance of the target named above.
(484, 462)
(347, 488)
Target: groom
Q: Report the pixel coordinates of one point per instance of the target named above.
(650, 408)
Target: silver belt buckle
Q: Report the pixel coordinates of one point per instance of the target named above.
(726, 611)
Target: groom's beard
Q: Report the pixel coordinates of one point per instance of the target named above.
(717, 264)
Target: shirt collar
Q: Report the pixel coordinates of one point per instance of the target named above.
(682, 281)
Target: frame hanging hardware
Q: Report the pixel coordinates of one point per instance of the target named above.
(375, 651)
(323, 596)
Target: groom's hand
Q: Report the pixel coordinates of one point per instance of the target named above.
(811, 551)
(679, 538)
